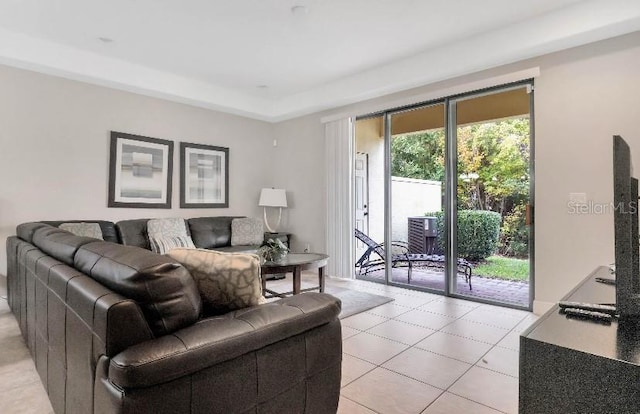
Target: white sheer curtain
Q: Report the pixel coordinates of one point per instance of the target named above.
(339, 167)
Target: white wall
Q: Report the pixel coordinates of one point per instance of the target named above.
(583, 96)
(54, 150)
(298, 165)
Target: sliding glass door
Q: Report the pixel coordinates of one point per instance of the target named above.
(445, 196)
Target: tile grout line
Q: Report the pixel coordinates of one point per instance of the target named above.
(476, 402)
(360, 404)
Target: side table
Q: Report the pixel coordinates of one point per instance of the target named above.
(295, 263)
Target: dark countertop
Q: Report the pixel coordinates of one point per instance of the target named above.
(619, 340)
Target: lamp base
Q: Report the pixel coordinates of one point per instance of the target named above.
(273, 229)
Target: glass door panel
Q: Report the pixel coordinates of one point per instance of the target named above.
(417, 177)
(492, 194)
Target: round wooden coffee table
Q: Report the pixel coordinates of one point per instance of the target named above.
(295, 263)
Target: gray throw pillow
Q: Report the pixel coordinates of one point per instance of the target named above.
(166, 227)
(83, 229)
(246, 231)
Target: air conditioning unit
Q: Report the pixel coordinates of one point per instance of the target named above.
(422, 234)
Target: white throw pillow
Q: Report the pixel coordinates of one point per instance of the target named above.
(164, 245)
(83, 229)
(226, 281)
(168, 233)
(246, 231)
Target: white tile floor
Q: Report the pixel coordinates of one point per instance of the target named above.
(424, 353)
(421, 353)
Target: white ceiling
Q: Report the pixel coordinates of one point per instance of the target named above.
(257, 58)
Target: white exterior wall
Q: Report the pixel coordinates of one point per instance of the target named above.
(410, 198)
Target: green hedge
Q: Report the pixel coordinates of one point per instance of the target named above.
(478, 233)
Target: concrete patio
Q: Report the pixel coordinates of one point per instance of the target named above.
(499, 290)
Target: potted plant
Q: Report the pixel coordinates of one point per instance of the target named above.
(273, 250)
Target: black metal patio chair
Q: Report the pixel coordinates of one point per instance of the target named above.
(400, 257)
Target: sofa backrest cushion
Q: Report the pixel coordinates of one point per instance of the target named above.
(59, 244)
(133, 233)
(108, 228)
(25, 231)
(210, 232)
(164, 289)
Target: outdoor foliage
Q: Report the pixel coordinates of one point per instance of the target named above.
(514, 237)
(478, 233)
(493, 171)
(418, 155)
(498, 152)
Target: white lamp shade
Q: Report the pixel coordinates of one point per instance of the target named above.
(273, 197)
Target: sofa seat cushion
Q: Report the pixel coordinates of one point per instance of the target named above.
(246, 231)
(164, 289)
(218, 339)
(226, 281)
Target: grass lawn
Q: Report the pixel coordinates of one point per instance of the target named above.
(504, 268)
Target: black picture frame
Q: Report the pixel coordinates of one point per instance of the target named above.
(140, 171)
(204, 176)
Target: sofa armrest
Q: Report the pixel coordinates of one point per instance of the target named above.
(218, 339)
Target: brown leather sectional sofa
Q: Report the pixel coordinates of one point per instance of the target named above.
(118, 329)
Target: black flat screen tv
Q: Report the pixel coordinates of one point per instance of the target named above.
(625, 217)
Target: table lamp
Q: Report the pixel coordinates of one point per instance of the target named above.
(272, 197)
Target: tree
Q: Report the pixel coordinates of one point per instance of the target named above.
(419, 155)
(498, 153)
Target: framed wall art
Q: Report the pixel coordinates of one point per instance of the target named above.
(140, 171)
(204, 176)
